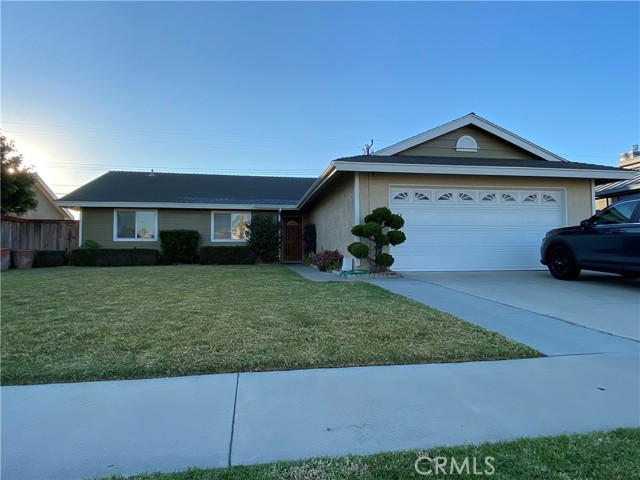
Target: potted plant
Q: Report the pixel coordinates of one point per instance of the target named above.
(5, 258)
(23, 258)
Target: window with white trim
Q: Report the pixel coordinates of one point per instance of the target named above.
(229, 226)
(135, 225)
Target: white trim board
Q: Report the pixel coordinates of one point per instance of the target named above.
(183, 206)
(482, 170)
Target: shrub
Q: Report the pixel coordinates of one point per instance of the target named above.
(329, 260)
(113, 257)
(309, 259)
(90, 244)
(50, 258)
(309, 244)
(240, 255)
(179, 246)
(264, 237)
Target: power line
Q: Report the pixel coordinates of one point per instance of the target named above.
(239, 136)
(189, 133)
(175, 142)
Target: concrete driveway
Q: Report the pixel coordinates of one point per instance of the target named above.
(603, 302)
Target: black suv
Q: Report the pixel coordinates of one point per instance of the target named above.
(607, 242)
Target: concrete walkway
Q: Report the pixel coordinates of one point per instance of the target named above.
(590, 381)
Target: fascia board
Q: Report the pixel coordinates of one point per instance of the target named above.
(479, 170)
(322, 179)
(183, 206)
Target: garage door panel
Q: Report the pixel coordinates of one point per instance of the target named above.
(459, 234)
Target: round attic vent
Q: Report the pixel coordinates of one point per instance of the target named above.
(466, 143)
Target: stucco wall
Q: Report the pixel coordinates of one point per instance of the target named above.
(374, 189)
(333, 215)
(97, 225)
(489, 146)
(44, 211)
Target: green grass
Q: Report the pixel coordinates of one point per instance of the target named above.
(79, 324)
(594, 456)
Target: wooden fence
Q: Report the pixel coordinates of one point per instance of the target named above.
(26, 234)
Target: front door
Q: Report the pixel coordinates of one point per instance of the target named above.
(292, 239)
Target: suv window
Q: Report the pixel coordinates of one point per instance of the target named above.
(621, 213)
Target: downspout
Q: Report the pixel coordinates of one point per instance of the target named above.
(281, 232)
(356, 209)
(593, 196)
(80, 228)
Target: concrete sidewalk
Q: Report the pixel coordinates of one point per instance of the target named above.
(74, 431)
(589, 381)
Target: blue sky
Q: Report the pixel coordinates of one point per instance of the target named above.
(284, 88)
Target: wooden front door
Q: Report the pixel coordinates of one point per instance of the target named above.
(292, 239)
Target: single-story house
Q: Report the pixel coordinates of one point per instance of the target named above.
(47, 208)
(610, 193)
(474, 196)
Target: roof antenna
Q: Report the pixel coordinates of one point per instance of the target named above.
(151, 174)
(367, 148)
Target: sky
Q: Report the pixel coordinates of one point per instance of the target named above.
(283, 88)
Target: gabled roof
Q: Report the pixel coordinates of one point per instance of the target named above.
(180, 190)
(51, 197)
(466, 166)
(471, 119)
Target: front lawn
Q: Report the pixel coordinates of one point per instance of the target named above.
(79, 324)
(594, 456)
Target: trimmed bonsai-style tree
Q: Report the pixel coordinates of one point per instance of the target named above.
(381, 228)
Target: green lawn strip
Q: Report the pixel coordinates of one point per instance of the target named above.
(600, 455)
(81, 324)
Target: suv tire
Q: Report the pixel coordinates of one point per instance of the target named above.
(561, 263)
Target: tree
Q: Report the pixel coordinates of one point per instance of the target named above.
(18, 184)
(264, 237)
(381, 228)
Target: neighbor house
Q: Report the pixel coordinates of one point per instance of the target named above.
(474, 196)
(610, 193)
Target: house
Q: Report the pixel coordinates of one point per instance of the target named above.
(46, 227)
(474, 196)
(47, 208)
(610, 193)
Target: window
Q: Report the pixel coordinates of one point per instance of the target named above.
(400, 195)
(229, 226)
(135, 225)
(617, 214)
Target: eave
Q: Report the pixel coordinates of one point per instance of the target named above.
(176, 205)
(505, 171)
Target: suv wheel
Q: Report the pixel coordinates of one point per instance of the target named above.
(561, 263)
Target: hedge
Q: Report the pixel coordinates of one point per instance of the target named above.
(113, 257)
(50, 258)
(240, 255)
(179, 245)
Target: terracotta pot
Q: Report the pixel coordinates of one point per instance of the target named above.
(5, 257)
(23, 258)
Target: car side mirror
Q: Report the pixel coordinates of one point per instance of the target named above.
(586, 224)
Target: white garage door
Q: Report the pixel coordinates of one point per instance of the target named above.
(464, 229)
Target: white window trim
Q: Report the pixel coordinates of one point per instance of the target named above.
(115, 225)
(213, 227)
